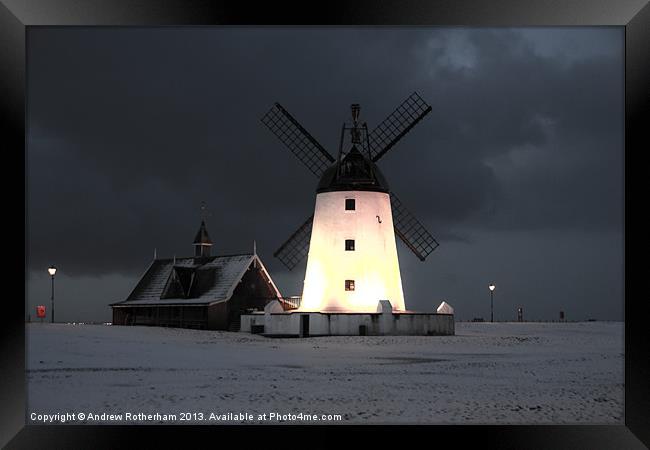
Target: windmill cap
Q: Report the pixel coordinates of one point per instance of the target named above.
(355, 172)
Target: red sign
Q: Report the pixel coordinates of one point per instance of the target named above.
(40, 311)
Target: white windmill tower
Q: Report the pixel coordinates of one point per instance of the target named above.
(352, 259)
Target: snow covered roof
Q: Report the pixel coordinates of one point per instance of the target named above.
(224, 273)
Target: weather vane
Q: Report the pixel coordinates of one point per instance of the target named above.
(204, 210)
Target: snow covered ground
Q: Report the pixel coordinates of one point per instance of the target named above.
(497, 373)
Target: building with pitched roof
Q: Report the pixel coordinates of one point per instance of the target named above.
(202, 291)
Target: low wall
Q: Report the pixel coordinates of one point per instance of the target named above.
(347, 324)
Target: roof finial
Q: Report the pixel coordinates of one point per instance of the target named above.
(254, 254)
(356, 109)
(154, 254)
(174, 258)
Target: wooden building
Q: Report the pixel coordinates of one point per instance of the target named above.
(203, 291)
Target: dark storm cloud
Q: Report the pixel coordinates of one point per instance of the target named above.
(558, 128)
(129, 130)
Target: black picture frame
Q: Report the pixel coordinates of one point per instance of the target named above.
(17, 15)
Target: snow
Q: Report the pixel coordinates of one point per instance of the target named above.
(489, 373)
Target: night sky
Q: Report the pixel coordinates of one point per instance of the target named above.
(517, 171)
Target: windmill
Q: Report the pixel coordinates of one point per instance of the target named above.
(350, 239)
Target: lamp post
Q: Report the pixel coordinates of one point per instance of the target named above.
(492, 287)
(52, 271)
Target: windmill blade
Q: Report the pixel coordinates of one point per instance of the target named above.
(411, 231)
(297, 139)
(296, 247)
(397, 124)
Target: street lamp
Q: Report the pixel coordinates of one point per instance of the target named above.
(492, 287)
(52, 270)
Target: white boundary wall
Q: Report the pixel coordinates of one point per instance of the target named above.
(348, 324)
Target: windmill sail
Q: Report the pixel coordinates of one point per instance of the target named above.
(397, 124)
(296, 247)
(411, 231)
(297, 139)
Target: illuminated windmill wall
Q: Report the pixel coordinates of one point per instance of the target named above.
(350, 240)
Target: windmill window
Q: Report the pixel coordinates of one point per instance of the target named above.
(349, 245)
(350, 204)
(349, 285)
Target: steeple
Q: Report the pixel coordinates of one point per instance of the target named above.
(202, 241)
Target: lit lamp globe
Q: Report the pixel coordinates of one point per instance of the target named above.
(52, 270)
(492, 287)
